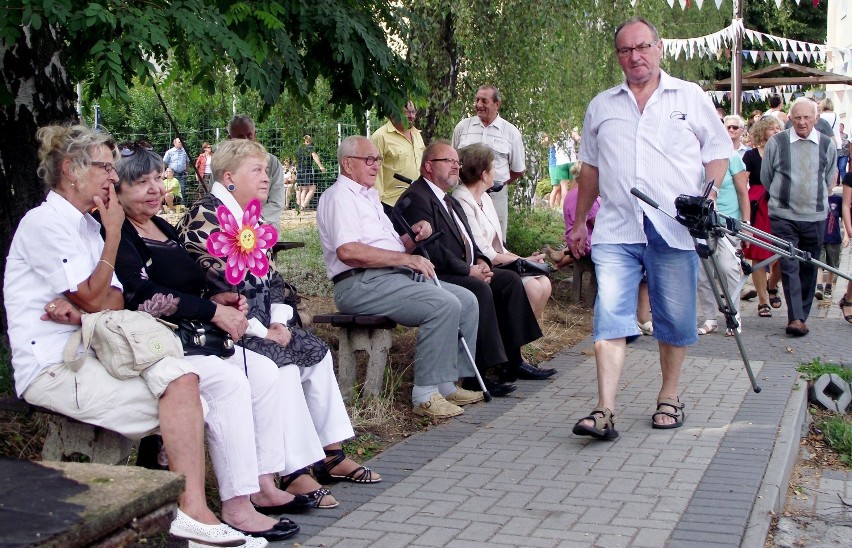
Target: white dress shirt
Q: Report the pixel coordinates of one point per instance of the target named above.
(55, 248)
(661, 151)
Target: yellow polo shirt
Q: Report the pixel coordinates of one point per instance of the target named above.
(400, 156)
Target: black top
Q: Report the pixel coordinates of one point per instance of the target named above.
(753, 161)
(160, 277)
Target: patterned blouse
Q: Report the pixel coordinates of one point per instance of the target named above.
(305, 349)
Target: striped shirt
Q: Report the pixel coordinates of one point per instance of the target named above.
(798, 174)
(661, 151)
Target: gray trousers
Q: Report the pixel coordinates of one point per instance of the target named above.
(438, 312)
(501, 205)
(799, 279)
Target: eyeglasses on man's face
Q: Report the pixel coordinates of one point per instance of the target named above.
(369, 160)
(129, 148)
(107, 166)
(453, 161)
(640, 49)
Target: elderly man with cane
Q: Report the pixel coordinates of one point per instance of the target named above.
(374, 273)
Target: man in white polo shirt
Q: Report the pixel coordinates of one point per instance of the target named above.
(503, 138)
(660, 135)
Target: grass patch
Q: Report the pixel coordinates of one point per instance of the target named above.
(837, 430)
(817, 368)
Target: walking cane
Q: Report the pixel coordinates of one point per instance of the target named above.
(397, 214)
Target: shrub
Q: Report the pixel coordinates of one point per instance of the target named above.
(542, 188)
(530, 229)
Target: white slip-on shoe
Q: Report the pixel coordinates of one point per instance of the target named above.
(185, 527)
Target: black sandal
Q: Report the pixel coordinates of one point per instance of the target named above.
(322, 470)
(604, 427)
(679, 416)
(774, 299)
(843, 304)
(764, 311)
(315, 496)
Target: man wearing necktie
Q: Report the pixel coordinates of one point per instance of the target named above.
(506, 320)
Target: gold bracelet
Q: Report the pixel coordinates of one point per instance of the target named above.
(109, 264)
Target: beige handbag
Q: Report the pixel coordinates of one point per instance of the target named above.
(126, 342)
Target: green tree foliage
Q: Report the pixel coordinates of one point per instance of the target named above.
(548, 58)
(267, 46)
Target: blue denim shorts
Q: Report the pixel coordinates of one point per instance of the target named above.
(672, 276)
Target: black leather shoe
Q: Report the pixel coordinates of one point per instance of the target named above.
(530, 372)
(282, 530)
(299, 504)
(496, 389)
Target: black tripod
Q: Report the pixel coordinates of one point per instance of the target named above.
(708, 227)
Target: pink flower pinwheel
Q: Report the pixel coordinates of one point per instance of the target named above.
(244, 246)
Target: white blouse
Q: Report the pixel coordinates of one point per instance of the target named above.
(483, 222)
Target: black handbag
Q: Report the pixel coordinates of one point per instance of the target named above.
(527, 268)
(204, 339)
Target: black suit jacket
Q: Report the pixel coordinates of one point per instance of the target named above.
(447, 253)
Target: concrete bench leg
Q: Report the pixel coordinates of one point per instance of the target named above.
(584, 286)
(377, 343)
(67, 439)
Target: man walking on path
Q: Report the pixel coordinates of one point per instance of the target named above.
(798, 171)
(660, 135)
(503, 138)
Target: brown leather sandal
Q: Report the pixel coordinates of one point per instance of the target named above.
(843, 304)
(603, 429)
(679, 416)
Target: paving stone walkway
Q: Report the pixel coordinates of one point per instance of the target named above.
(510, 473)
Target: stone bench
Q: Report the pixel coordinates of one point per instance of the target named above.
(360, 332)
(68, 439)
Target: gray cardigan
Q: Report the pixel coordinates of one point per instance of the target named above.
(798, 176)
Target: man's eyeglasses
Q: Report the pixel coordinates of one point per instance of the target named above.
(640, 49)
(451, 160)
(733, 127)
(107, 166)
(369, 160)
(129, 148)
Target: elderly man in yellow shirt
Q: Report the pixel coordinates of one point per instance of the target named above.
(401, 148)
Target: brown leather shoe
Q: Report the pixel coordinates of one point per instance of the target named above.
(797, 328)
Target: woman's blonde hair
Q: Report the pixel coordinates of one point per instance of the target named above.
(759, 127)
(230, 155)
(68, 142)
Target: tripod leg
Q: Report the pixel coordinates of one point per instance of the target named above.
(711, 269)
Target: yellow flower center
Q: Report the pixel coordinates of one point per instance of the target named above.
(247, 238)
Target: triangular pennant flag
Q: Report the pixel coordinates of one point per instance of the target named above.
(787, 97)
(718, 4)
(700, 3)
(633, 3)
(682, 4)
(671, 3)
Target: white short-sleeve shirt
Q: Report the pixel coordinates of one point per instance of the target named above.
(54, 249)
(661, 151)
(501, 136)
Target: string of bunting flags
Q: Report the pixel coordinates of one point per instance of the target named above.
(762, 94)
(719, 43)
(700, 3)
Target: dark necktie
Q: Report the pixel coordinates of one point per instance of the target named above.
(468, 249)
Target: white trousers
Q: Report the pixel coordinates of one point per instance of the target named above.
(245, 421)
(729, 268)
(314, 413)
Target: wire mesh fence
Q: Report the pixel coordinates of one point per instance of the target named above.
(278, 141)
